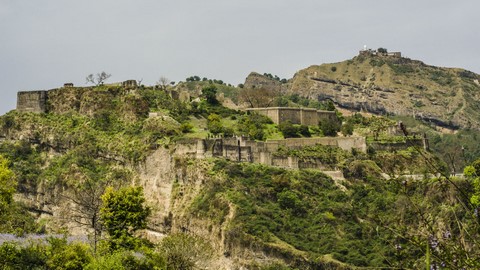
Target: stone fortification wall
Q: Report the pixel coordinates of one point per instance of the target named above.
(32, 101)
(345, 143)
(309, 117)
(244, 150)
(300, 116)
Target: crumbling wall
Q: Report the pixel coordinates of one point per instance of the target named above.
(32, 101)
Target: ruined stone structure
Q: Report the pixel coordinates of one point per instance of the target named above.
(32, 101)
(243, 150)
(370, 52)
(129, 84)
(300, 116)
(66, 85)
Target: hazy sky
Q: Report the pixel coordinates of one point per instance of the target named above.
(44, 43)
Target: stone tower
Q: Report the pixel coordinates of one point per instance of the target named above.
(32, 101)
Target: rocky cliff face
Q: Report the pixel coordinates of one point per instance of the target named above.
(258, 81)
(398, 86)
(446, 97)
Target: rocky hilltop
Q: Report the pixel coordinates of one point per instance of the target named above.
(389, 84)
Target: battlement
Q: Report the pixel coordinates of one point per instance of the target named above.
(300, 116)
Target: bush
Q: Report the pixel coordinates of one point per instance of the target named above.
(330, 127)
(288, 130)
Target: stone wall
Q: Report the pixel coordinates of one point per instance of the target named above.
(300, 116)
(32, 101)
(244, 150)
(345, 143)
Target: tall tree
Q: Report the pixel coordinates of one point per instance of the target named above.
(7, 185)
(123, 213)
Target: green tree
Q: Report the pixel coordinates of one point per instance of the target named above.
(253, 125)
(210, 94)
(347, 128)
(288, 130)
(382, 50)
(65, 256)
(214, 123)
(330, 127)
(123, 213)
(8, 185)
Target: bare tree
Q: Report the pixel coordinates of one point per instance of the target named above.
(98, 79)
(258, 97)
(86, 212)
(163, 82)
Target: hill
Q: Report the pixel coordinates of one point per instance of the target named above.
(215, 198)
(393, 85)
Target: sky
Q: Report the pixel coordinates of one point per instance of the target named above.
(45, 43)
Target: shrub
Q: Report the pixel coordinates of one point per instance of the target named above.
(288, 130)
(330, 127)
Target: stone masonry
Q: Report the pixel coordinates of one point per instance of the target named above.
(32, 101)
(243, 150)
(300, 116)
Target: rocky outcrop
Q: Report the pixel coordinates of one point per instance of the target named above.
(258, 81)
(399, 86)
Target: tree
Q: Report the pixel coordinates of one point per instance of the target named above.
(382, 50)
(253, 125)
(210, 94)
(257, 97)
(347, 129)
(214, 124)
(98, 79)
(123, 213)
(288, 130)
(330, 127)
(7, 185)
(163, 82)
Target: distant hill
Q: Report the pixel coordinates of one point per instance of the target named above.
(383, 84)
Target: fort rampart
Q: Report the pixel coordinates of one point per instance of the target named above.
(300, 116)
(244, 150)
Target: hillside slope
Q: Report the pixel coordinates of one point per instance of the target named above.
(446, 97)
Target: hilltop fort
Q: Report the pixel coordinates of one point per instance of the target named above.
(379, 52)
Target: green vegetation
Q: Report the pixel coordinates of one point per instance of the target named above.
(7, 185)
(177, 251)
(123, 213)
(328, 155)
(371, 222)
(87, 155)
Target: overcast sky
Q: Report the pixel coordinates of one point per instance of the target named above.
(45, 43)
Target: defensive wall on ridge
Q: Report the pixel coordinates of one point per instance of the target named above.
(300, 116)
(244, 150)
